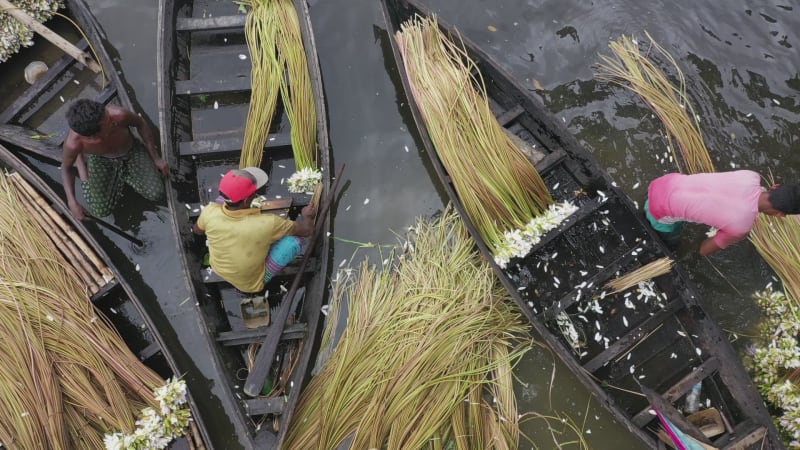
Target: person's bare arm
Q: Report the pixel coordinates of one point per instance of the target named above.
(68, 158)
(135, 120)
(306, 226)
(709, 247)
(197, 230)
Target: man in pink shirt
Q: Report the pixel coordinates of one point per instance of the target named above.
(727, 201)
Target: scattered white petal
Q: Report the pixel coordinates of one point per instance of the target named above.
(341, 264)
(775, 100)
(242, 56)
(137, 267)
(699, 352)
(62, 98)
(406, 148)
(348, 208)
(681, 333)
(366, 201)
(216, 104)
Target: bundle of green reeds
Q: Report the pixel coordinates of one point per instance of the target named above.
(276, 49)
(633, 70)
(647, 272)
(67, 377)
(776, 239)
(499, 188)
(425, 359)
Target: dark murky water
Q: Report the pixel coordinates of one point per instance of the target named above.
(741, 67)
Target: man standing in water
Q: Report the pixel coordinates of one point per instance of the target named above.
(727, 201)
(101, 146)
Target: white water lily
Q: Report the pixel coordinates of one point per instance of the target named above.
(157, 428)
(776, 358)
(304, 180)
(518, 243)
(14, 35)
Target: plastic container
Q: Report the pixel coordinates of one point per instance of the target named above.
(693, 399)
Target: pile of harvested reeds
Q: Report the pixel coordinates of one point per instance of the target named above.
(647, 272)
(279, 64)
(633, 70)
(499, 188)
(67, 377)
(424, 360)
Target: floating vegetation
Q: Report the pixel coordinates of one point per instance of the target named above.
(67, 377)
(279, 64)
(501, 198)
(776, 362)
(633, 70)
(14, 35)
(647, 272)
(425, 358)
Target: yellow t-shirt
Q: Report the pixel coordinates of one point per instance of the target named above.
(239, 241)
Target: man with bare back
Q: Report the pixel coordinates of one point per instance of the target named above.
(101, 146)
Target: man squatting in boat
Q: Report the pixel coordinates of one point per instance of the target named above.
(247, 248)
(727, 201)
(100, 145)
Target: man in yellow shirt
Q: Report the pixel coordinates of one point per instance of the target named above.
(247, 247)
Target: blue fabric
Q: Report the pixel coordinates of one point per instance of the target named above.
(280, 255)
(667, 230)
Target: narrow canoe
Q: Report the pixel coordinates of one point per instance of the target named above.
(204, 92)
(668, 345)
(109, 292)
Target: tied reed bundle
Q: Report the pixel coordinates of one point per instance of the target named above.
(67, 377)
(499, 188)
(633, 70)
(424, 359)
(647, 272)
(272, 30)
(265, 75)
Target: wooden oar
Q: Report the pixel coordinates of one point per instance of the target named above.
(27, 20)
(258, 373)
(116, 229)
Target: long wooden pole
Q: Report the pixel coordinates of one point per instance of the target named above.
(258, 373)
(17, 13)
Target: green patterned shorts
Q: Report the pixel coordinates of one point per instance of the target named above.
(107, 177)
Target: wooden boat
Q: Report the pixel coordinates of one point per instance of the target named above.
(204, 92)
(668, 345)
(109, 292)
(34, 117)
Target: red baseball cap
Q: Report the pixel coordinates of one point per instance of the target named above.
(239, 184)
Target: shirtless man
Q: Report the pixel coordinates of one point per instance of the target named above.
(101, 146)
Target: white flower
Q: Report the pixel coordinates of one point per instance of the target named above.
(304, 180)
(518, 243)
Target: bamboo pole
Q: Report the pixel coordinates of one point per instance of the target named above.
(24, 18)
(78, 251)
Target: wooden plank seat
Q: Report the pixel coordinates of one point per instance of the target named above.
(257, 335)
(222, 146)
(188, 24)
(274, 206)
(265, 405)
(239, 83)
(29, 141)
(44, 83)
(508, 116)
(209, 276)
(632, 337)
(674, 392)
(87, 266)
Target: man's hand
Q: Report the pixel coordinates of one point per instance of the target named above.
(162, 166)
(308, 212)
(78, 211)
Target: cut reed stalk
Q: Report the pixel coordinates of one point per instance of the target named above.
(647, 272)
(499, 196)
(776, 240)
(67, 377)
(424, 353)
(634, 71)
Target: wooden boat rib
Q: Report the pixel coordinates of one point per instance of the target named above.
(204, 92)
(36, 119)
(667, 344)
(109, 292)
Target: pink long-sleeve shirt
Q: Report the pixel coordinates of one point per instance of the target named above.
(727, 201)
